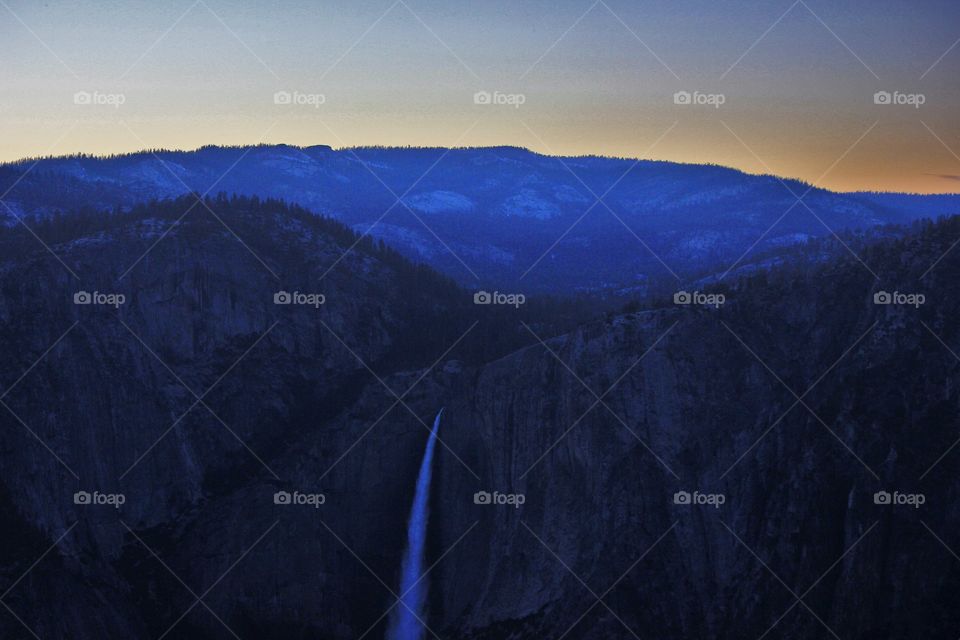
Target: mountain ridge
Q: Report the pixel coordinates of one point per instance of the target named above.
(28, 160)
(493, 217)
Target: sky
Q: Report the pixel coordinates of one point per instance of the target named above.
(787, 87)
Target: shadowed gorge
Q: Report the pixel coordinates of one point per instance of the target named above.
(599, 480)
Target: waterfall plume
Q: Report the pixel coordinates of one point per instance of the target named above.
(404, 622)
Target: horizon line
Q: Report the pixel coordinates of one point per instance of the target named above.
(155, 150)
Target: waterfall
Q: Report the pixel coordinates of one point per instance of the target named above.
(413, 591)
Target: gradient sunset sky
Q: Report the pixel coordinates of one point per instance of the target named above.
(798, 80)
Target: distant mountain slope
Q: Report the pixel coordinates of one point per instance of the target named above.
(911, 204)
(500, 216)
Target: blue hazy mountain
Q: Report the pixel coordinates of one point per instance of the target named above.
(500, 216)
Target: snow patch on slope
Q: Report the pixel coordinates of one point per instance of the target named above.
(529, 204)
(439, 201)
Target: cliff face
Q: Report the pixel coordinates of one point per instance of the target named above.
(799, 499)
(187, 399)
(303, 400)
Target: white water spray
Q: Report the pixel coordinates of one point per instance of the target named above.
(404, 622)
